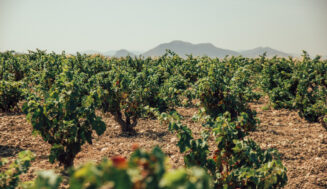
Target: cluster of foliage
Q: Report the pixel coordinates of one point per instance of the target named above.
(130, 85)
(12, 66)
(11, 74)
(278, 82)
(311, 97)
(63, 92)
(142, 170)
(226, 87)
(237, 162)
(9, 175)
(297, 84)
(64, 116)
(10, 94)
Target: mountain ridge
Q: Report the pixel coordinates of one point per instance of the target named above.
(123, 53)
(183, 48)
(251, 53)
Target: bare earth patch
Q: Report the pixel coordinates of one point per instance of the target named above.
(302, 145)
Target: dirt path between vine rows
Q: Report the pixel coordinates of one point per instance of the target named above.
(303, 145)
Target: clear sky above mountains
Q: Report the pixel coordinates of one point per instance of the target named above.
(79, 25)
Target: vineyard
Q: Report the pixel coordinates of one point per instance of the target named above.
(89, 121)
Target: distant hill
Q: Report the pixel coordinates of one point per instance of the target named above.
(119, 53)
(123, 53)
(183, 48)
(260, 50)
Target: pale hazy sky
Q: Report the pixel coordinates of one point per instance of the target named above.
(78, 25)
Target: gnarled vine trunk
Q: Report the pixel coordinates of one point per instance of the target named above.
(126, 125)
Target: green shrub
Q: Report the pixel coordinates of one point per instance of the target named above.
(129, 86)
(64, 117)
(222, 90)
(278, 81)
(312, 88)
(9, 175)
(12, 66)
(142, 170)
(10, 94)
(237, 162)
